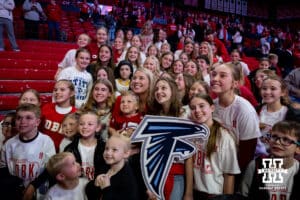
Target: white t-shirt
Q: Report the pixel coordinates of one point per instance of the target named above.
(207, 79)
(58, 193)
(27, 160)
(286, 186)
(69, 59)
(208, 173)
(82, 81)
(245, 68)
(177, 54)
(87, 158)
(239, 117)
(186, 114)
(65, 142)
(271, 118)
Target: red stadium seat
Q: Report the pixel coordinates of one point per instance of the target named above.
(26, 74)
(18, 86)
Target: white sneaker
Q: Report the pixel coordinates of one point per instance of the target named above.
(16, 50)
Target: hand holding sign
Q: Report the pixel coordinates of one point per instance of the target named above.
(164, 138)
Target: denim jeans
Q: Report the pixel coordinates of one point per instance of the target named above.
(178, 188)
(53, 27)
(8, 24)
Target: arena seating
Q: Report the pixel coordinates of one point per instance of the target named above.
(33, 67)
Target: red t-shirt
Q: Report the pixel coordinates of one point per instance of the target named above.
(51, 123)
(53, 12)
(171, 29)
(84, 8)
(116, 55)
(94, 49)
(119, 121)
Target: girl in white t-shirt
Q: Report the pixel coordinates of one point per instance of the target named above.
(81, 79)
(85, 148)
(233, 111)
(275, 98)
(83, 41)
(215, 162)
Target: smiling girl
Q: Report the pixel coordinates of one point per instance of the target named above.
(166, 61)
(215, 162)
(193, 69)
(275, 97)
(152, 63)
(69, 60)
(166, 102)
(134, 57)
(235, 112)
(105, 59)
(101, 100)
(78, 75)
(85, 147)
(54, 113)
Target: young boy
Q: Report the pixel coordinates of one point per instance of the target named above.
(64, 168)
(284, 175)
(119, 181)
(130, 116)
(25, 155)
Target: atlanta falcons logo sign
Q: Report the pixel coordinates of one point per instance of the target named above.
(164, 139)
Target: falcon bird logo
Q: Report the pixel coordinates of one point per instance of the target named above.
(164, 139)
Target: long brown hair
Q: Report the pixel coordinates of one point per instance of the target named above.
(175, 103)
(215, 133)
(91, 104)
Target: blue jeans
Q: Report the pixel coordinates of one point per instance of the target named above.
(53, 26)
(178, 188)
(8, 24)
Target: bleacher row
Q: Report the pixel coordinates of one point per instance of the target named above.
(33, 67)
(70, 25)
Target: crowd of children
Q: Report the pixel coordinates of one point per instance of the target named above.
(78, 146)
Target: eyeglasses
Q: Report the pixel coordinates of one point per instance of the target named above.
(7, 124)
(283, 140)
